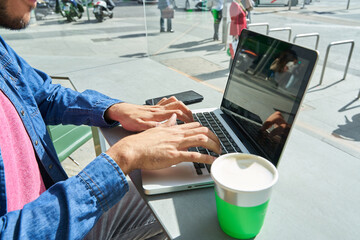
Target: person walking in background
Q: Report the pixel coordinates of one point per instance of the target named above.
(238, 18)
(238, 23)
(167, 12)
(216, 7)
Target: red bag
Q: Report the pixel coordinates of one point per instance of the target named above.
(167, 13)
(232, 48)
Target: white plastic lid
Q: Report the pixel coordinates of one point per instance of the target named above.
(243, 172)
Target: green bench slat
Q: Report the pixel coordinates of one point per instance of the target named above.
(68, 138)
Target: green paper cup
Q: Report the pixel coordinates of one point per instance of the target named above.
(243, 184)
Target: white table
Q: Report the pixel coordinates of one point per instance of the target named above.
(315, 198)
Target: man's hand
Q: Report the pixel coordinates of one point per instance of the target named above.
(164, 146)
(138, 118)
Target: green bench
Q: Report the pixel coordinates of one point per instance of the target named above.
(68, 138)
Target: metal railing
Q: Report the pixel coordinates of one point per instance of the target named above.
(259, 25)
(226, 35)
(317, 35)
(327, 55)
(282, 29)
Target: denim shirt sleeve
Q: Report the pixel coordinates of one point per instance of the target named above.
(69, 209)
(58, 104)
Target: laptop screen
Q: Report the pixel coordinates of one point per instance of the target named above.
(267, 82)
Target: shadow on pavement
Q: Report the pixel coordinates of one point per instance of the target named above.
(347, 106)
(191, 44)
(135, 55)
(312, 89)
(347, 130)
(212, 75)
(136, 35)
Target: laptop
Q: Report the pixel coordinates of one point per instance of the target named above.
(265, 88)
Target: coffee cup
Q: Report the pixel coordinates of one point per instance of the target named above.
(243, 184)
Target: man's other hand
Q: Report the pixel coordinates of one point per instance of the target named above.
(141, 117)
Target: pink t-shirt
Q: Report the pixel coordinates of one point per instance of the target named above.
(23, 179)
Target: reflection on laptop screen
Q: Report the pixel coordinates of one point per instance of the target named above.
(272, 72)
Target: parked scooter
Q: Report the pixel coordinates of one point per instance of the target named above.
(72, 9)
(103, 8)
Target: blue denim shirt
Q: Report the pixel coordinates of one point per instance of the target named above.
(69, 208)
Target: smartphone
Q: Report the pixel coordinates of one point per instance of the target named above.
(187, 97)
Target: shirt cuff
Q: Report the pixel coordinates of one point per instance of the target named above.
(105, 180)
(100, 109)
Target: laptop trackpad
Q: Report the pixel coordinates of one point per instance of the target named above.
(178, 177)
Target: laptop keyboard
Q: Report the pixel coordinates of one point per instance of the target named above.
(228, 145)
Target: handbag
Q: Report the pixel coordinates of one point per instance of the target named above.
(167, 13)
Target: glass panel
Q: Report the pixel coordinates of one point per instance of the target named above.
(190, 49)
